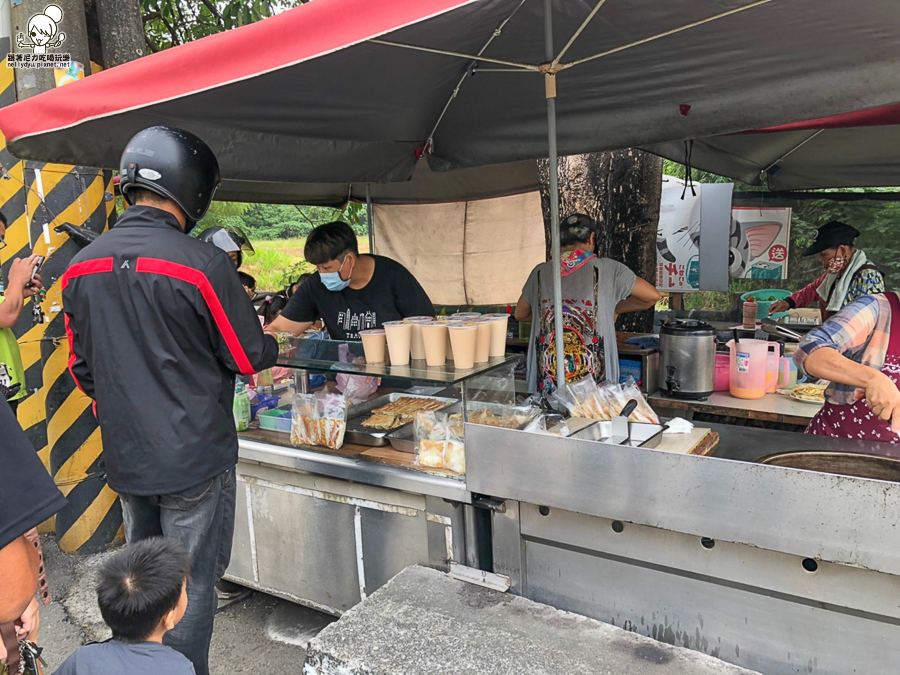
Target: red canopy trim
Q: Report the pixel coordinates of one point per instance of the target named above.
(307, 32)
(873, 117)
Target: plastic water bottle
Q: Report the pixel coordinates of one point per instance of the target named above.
(241, 407)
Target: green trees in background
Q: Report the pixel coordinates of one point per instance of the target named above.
(283, 221)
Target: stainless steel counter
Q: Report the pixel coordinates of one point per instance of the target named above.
(326, 530)
(774, 569)
(356, 470)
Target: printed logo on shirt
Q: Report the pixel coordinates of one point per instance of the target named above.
(354, 322)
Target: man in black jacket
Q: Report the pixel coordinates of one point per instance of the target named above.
(158, 325)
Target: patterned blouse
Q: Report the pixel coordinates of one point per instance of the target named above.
(861, 332)
(865, 282)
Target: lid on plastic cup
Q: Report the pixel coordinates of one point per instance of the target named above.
(372, 331)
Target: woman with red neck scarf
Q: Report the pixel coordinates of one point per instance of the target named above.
(848, 273)
(595, 291)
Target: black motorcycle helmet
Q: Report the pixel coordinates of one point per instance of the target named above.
(174, 164)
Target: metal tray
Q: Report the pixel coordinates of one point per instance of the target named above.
(359, 413)
(403, 438)
(641, 435)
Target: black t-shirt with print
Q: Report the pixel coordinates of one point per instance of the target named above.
(392, 293)
(27, 493)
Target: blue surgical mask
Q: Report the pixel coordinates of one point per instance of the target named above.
(332, 280)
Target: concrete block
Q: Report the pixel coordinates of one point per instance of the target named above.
(425, 623)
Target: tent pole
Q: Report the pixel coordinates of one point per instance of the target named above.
(370, 221)
(550, 92)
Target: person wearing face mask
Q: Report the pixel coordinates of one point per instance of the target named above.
(848, 273)
(355, 292)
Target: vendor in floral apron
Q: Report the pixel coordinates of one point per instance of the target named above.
(594, 292)
(858, 350)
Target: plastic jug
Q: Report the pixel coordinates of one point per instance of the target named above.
(750, 367)
(778, 369)
(241, 407)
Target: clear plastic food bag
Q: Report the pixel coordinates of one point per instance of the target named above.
(319, 419)
(583, 399)
(643, 413)
(431, 438)
(440, 442)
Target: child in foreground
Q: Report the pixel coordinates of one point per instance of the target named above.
(142, 595)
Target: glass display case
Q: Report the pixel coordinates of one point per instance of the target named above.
(381, 400)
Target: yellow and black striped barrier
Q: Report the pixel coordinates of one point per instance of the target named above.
(82, 197)
(36, 197)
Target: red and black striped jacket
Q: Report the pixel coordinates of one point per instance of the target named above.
(158, 325)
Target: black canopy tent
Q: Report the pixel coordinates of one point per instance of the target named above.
(355, 92)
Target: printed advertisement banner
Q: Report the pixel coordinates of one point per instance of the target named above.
(758, 243)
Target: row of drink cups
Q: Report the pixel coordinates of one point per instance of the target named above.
(466, 339)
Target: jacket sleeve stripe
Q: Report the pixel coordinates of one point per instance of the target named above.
(198, 279)
(98, 266)
(72, 357)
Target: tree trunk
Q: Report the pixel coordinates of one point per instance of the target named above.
(620, 190)
(121, 31)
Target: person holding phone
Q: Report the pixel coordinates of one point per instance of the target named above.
(24, 281)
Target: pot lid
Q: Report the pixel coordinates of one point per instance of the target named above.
(685, 327)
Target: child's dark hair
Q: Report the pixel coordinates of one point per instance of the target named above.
(138, 586)
(272, 307)
(330, 242)
(247, 280)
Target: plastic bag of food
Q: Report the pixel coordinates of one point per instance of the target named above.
(584, 399)
(496, 386)
(643, 413)
(506, 417)
(455, 449)
(431, 438)
(551, 424)
(319, 419)
(440, 441)
(357, 388)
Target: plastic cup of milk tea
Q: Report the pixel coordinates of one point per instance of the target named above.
(463, 338)
(435, 337)
(499, 327)
(373, 344)
(399, 341)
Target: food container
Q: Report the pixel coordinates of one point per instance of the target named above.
(640, 435)
(764, 299)
(277, 419)
(723, 371)
(359, 413)
(749, 367)
(687, 358)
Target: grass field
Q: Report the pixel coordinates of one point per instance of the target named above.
(273, 260)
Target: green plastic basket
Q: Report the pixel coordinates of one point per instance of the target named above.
(762, 306)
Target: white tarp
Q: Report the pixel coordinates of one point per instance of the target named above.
(465, 253)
